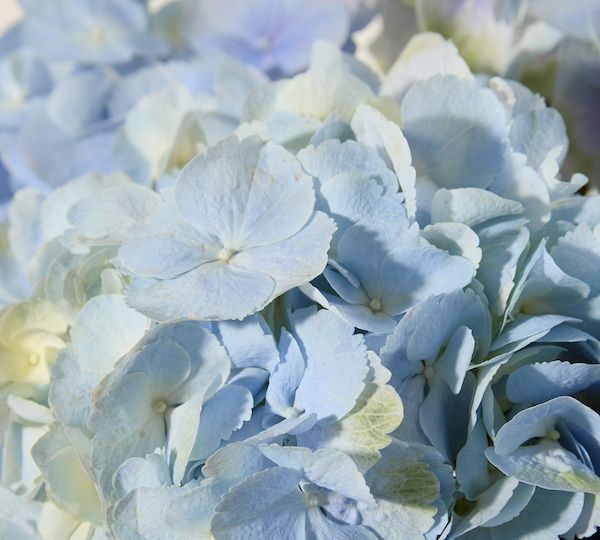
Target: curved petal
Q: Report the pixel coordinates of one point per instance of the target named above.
(294, 261)
(245, 193)
(213, 291)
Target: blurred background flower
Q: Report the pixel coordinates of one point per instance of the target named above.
(551, 46)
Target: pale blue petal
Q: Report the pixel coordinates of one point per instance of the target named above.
(67, 30)
(182, 433)
(521, 497)
(254, 379)
(295, 260)
(210, 365)
(539, 420)
(191, 512)
(221, 415)
(348, 291)
(359, 315)
(70, 389)
(327, 468)
(128, 91)
(275, 37)
(489, 505)
(350, 197)
(536, 133)
(429, 326)
(547, 465)
(107, 216)
(502, 244)
(328, 342)
(123, 426)
(105, 330)
(578, 254)
(413, 274)
(527, 329)
(164, 378)
(575, 23)
(456, 131)
(319, 527)
(69, 111)
(471, 206)
(472, 472)
(249, 343)
(412, 393)
(453, 363)
(267, 505)
(43, 146)
(589, 518)
(548, 515)
(229, 193)
(286, 376)
(151, 471)
(541, 382)
(166, 247)
(210, 292)
(333, 158)
(443, 416)
(25, 234)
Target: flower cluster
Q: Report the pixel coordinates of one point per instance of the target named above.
(252, 289)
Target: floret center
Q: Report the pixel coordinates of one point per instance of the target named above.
(292, 412)
(226, 254)
(312, 499)
(553, 435)
(429, 372)
(160, 406)
(97, 36)
(375, 304)
(34, 359)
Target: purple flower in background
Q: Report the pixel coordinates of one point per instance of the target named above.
(274, 35)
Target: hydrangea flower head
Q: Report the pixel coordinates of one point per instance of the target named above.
(253, 286)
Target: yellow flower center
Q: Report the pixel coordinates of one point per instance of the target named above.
(34, 359)
(160, 406)
(428, 372)
(375, 304)
(97, 36)
(226, 254)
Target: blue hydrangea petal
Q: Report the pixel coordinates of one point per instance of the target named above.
(293, 261)
(221, 415)
(325, 340)
(548, 515)
(166, 248)
(472, 471)
(456, 132)
(471, 206)
(453, 363)
(327, 468)
(318, 526)
(489, 506)
(267, 505)
(286, 376)
(249, 343)
(541, 382)
(106, 217)
(547, 465)
(229, 193)
(210, 292)
(105, 330)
